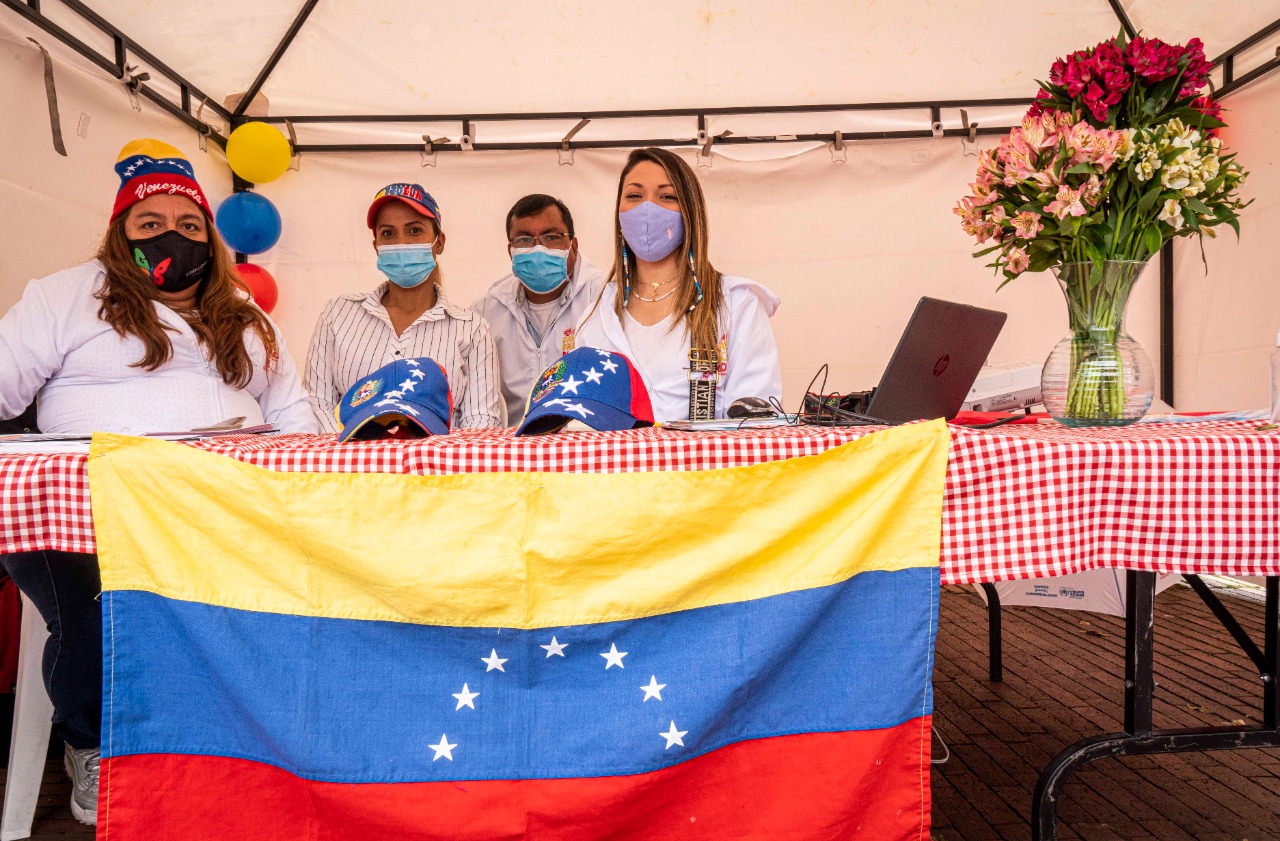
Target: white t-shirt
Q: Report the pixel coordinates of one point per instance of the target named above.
(541, 314)
(656, 349)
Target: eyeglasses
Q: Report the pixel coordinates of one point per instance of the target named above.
(556, 242)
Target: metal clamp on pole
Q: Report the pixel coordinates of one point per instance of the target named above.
(295, 160)
(705, 141)
(467, 140)
(565, 152)
(205, 129)
(969, 144)
(838, 152)
(428, 151)
(133, 83)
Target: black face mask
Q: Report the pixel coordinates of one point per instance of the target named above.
(171, 260)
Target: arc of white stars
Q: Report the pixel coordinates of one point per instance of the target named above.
(466, 698)
(613, 657)
(654, 689)
(554, 649)
(446, 750)
(673, 737)
(493, 661)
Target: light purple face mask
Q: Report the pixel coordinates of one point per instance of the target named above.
(652, 232)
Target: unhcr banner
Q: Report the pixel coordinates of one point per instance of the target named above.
(724, 654)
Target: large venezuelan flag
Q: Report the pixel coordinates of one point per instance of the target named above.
(730, 654)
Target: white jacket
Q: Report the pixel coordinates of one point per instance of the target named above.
(751, 369)
(55, 348)
(521, 355)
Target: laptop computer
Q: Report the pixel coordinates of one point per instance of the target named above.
(934, 365)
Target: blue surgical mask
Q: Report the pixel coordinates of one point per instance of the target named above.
(652, 232)
(406, 266)
(540, 269)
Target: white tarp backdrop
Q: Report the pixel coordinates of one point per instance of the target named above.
(849, 246)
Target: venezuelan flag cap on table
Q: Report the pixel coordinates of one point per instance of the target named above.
(725, 654)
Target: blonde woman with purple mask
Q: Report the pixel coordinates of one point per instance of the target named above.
(700, 339)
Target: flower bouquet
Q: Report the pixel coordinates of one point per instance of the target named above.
(1118, 154)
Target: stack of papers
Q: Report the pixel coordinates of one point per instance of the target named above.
(78, 442)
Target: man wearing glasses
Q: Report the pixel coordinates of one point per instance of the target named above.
(533, 310)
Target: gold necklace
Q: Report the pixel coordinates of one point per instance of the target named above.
(656, 298)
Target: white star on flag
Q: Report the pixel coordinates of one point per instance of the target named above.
(493, 661)
(613, 657)
(446, 750)
(466, 698)
(556, 648)
(578, 408)
(609, 365)
(407, 385)
(673, 737)
(593, 376)
(654, 689)
(570, 386)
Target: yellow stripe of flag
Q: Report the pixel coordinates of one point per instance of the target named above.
(512, 550)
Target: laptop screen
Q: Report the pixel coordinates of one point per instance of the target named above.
(942, 349)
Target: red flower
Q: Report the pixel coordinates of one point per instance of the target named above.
(1152, 59)
(1210, 108)
(1196, 76)
(1037, 108)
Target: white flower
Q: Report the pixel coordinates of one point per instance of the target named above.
(1171, 212)
(1176, 176)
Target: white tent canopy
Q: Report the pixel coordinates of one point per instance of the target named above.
(849, 245)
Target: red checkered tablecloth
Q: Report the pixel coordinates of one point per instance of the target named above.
(1022, 501)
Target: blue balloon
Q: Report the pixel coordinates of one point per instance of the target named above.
(248, 222)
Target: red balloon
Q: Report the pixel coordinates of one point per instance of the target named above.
(262, 286)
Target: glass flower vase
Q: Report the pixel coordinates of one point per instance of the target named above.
(1098, 375)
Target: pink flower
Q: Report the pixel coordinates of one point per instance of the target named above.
(1091, 191)
(1210, 108)
(1016, 261)
(1027, 224)
(1152, 59)
(997, 214)
(1196, 76)
(1066, 204)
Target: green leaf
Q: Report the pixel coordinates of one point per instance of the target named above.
(984, 252)
(1235, 226)
(1197, 205)
(1081, 168)
(1189, 216)
(1148, 199)
(1152, 238)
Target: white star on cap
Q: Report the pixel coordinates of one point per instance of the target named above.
(408, 410)
(559, 401)
(446, 750)
(577, 408)
(570, 386)
(673, 737)
(613, 657)
(609, 365)
(390, 401)
(412, 362)
(407, 385)
(493, 661)
(467, 698)
(394, 394)
(653, 690)
(556, 648)
(593, 376)
(418, 374)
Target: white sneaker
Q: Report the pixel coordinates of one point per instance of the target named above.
(82, 768)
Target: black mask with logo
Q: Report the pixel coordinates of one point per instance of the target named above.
(172, 261)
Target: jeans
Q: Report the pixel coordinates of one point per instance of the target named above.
(64, 586)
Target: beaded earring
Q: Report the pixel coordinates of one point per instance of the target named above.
(696, 286)
(626, 272)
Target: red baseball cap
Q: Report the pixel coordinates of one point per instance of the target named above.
(412, 195)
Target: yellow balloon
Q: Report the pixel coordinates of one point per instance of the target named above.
(258, 152)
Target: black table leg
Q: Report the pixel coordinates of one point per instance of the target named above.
(1139, 737)
(995, 653)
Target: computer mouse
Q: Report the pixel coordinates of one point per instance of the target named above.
(750, 407)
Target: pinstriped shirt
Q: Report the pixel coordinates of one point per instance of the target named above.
(354, 337)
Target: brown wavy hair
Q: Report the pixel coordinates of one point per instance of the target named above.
(703, 320)
(225, 311)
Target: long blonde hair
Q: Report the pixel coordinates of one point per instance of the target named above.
(127, 305)
(701, 318)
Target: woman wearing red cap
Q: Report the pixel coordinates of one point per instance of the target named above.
(155, 333)
(405, 317)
